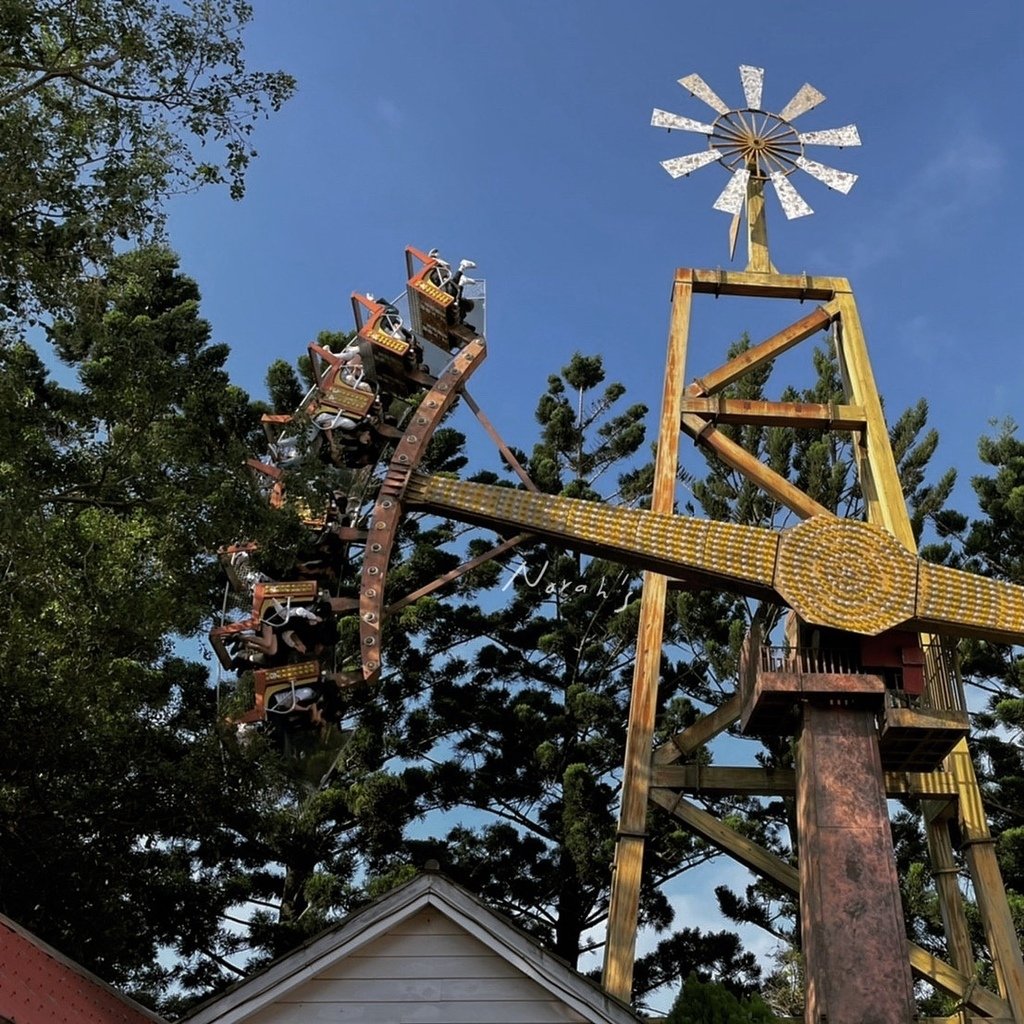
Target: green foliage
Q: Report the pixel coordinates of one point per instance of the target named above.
(120, 814)
(708, 1002)
(107, 107)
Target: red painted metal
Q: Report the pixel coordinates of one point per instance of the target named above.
(38, 985)
(388, 510)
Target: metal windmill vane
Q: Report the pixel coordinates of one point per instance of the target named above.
(757, 145)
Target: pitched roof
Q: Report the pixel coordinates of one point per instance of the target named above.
(358, 930)
(38, 985)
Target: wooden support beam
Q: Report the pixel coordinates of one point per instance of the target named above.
(732, 454)
(990, 893)
(719, 835)
(620, 945)
(801, 415)
(716, 780)
(758, 259)
(702, 731)
(768, 286)
(924, 964)
(948, 979)
(712, 383)
(945, 871)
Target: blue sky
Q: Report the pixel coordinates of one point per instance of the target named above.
(518, 134)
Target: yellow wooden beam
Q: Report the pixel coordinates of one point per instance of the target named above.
(713, 382)
(719, 780)
(620, 945)
(738, 458)
(702, 731)
(768, 286)
(801, 415)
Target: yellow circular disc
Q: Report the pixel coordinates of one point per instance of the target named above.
(846, 574)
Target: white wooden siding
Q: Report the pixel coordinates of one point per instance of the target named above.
(427, 970)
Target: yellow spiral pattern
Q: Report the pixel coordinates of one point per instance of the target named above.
(846, 574)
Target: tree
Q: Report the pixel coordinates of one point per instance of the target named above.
(520, 728)
(702, 1002)
(107, 107)
(122, 817)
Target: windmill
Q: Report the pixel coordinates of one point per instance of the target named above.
(859, 964)
(757, 146)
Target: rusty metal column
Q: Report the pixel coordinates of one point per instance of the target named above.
(620, 945)
(854, 936)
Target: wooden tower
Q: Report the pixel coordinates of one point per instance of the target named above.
(877, 710)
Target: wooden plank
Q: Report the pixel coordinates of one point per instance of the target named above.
(620, 947)
(713, 780)
(716, 780)
(724, 838)
(876, 467)
(427, 946)
(702, 731)
(429, 922)
(946, 872)
(949, 980)
(401, 988)
(800, 415)
(758, 259)
(769, 349)
(990, 892)
(768, 286)
(550, 1011)
(743, 462)
(368, 964)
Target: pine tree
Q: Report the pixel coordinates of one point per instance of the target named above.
(519, 730)
(120, 810)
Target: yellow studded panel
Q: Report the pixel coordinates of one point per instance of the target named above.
(742, 552)
(833, 572)
(971, 602)
(435, 294)
(305, 671)
(384, 340)
(846, 574)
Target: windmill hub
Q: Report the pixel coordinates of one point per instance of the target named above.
(757, 142)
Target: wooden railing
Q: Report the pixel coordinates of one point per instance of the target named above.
(943, 687)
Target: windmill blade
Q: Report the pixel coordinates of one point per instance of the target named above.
(753, 85)
(841, 181)
(663, 119)
(699, 88)
(731, 199)
(793, 205)
(734, 234)
(806, 98)
(682, 165)
(845, 136)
